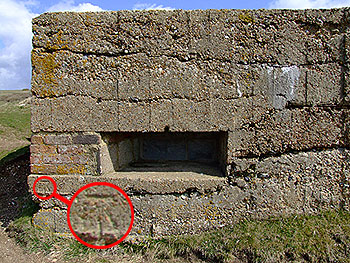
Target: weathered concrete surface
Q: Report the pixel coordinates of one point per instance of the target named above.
(305, 182)
(273, 83)
(152, 182)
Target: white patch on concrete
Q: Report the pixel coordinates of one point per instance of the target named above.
(283, 83)
(292, 74)
(238, 90)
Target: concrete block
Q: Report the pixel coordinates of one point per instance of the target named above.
(285, 86)
(223, 115)
(65, 73)
(78, 113)
(316, 128)
(269, 135)
(191, 116)
(325, 45)
(324, 84)
(134, 78)
(134, 116)
(41, 118)
(161, 115)
(279, 132)
(324, 39)
(171, 78)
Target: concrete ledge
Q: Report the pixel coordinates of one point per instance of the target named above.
(136, 182)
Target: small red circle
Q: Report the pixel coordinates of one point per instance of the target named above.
(54, 187)
(120, 191)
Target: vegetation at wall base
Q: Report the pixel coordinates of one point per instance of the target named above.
(324, 237)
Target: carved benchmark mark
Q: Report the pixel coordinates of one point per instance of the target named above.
(100, 215)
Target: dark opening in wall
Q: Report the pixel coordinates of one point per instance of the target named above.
(164, 151)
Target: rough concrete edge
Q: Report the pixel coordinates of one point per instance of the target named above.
(67, 185)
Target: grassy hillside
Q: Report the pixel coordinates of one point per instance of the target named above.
(14, 120)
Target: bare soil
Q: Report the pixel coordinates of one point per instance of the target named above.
(13, 193)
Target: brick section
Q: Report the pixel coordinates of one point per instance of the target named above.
(80, 159)
(57, 159)
(59, 169)
(37, 139)
(43, 149)
(71, 149)
(86, 139)
(58, 139)
(64, 153)
(36, 159)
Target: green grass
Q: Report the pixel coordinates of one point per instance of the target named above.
(15, 117)
(313, 238)
(14, 121)
(309, 238)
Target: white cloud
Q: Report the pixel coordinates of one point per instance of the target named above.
(69, 5)
(306, 4)
(146, 6)
(15, 35)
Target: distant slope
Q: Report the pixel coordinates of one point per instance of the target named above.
(14, 120)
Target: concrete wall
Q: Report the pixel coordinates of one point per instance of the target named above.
(276, 82)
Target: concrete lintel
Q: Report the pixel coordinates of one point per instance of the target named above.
(135, 182)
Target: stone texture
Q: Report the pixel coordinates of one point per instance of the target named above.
(346, 84)
(283, 131)
(134, 116)
(190, 116)
(153, 181)
(41, 115)
(274, 84)
(77, 113)
(324, 85)
(293, 183)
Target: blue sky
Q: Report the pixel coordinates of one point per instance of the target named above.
(178, 4)
(16, 16)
